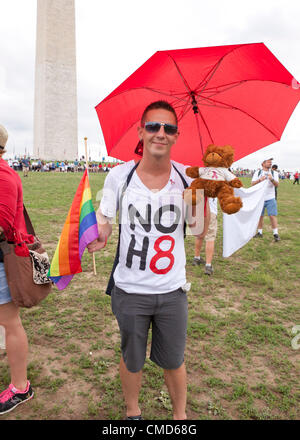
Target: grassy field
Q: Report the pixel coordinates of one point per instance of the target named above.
(239, 357)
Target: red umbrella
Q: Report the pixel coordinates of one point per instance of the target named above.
(239, 95)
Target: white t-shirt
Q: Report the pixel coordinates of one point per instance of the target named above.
(219, 174)
(152, 254)
(270, 190)
(213, 205)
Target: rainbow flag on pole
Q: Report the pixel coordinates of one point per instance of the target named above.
(79, 230)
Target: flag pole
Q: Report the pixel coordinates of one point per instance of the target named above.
(87, 167)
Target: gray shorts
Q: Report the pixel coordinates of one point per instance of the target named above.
(168, 314)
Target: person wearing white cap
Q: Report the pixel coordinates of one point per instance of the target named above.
(12, 221)
(270, 196)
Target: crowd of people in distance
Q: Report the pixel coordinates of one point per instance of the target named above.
(26, 164)
(283, 175)
(240, 172)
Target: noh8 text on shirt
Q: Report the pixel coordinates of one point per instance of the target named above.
(152, 254)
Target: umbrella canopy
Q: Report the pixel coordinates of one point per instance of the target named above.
(239, 95)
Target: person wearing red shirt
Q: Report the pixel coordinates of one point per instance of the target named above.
(11, 222)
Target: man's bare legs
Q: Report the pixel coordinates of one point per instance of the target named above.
(273, 220)
(261, 222)
(175, 381)
(209, 251)
(198, 246)
(131, 385)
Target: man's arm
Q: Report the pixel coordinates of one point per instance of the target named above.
(261, 179)
(272, 180)
(106, 212)
(104, 229)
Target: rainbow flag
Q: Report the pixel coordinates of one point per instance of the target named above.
(79, 230)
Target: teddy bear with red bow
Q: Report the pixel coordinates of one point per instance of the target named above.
(215, 179)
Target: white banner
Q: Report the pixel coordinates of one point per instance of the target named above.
(239, 228)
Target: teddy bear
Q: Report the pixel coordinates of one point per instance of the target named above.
(215, 179)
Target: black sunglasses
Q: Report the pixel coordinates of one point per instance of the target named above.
(154, 127)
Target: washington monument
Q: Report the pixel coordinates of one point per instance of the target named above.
(55, 104)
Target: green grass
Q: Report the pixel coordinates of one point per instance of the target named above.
(239, 358)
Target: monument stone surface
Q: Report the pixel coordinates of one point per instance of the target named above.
(55, 103)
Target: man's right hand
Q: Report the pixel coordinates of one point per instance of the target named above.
(97, 245)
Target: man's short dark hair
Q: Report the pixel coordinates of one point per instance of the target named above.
(158, 105)
(274, 167)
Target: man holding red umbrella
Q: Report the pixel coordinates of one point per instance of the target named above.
(148, 281)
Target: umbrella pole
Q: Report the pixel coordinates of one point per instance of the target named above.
(199, 132)
(87, 167)
(196, 113)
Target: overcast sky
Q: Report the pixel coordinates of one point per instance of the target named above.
(115, 38)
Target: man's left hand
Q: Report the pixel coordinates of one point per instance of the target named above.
(97, 245)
